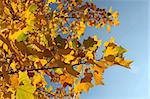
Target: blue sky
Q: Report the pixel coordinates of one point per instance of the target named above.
(132, 34)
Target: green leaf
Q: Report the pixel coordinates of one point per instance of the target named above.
(21, 37)
(33, 7)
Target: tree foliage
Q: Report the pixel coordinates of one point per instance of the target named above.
(40, 40)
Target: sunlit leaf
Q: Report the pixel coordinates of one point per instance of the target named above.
(43, 52)
(25, 92)
(33, 7)
(24, 78)
(52, 1)
(59, 71)
(69, 57)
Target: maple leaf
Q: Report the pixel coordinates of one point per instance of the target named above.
(25, 92)
(89, 42)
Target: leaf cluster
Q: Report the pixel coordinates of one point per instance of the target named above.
(41, 38)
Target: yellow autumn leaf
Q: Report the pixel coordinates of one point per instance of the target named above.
(24, 78)
(98, 25)
(76, 61)
(59, 71)
(53, 33)
(110, 51)
(39, 78)
(36, 59)
(17, 34)
(80, 28)
(14, 6)
(112, 40)
(14, 81)
(121, 61)
(25, 92)
(43, 61)
(69, 57)
(79, 68)
(110, 10)
(98, 69)
(126, 63)
(36, 79)
(34, 47)
(90, 55)
(5, 47)
(95, 46)
(13, 65)
(78, 96)
(51, 1)
(1, 42)
(116, 22)
(79, 87)
(70, 44)
(50, 25)
(115, 14)
(7, 11)
(10, 89)
(66, 78)
(118, 59)
(65, 30)
(98, 78)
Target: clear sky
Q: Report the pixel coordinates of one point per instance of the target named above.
(132, 34)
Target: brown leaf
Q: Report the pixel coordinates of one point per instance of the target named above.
(89, 42)
(60, 42)
(49, 39)
(71, 71)
(87, 78)
(64, 51)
